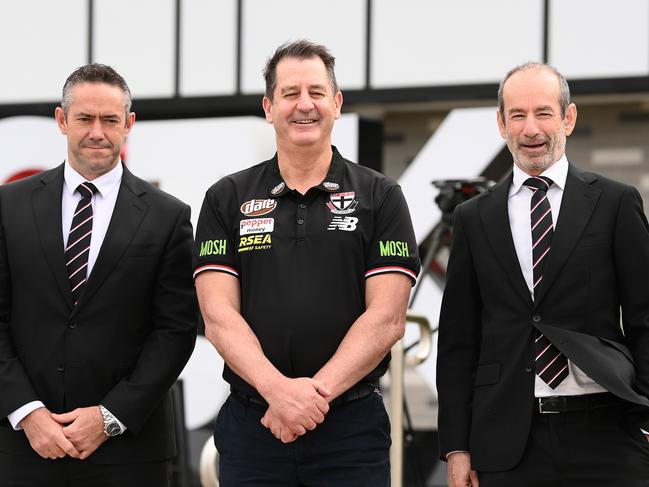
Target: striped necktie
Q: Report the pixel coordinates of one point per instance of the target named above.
(78, 246)
(551, 364)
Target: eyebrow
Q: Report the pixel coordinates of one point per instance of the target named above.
(295, 87)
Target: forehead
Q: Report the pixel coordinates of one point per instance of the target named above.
(86, 96)
(534, 86)
(292, 70)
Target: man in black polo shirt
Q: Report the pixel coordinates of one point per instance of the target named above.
(304, 268)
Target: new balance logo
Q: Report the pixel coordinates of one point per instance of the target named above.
(347, 223)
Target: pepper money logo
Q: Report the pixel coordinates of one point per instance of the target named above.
(256, 207)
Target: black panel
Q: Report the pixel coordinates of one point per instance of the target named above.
(370, 144)
(235, 105)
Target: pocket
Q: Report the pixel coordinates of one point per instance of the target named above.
(487, 374)
(218, 424)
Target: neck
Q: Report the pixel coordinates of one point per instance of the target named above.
(304, 168)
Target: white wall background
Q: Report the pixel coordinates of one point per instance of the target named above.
(413, 42)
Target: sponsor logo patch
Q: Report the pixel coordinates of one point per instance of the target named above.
(256, 225)
(278, 189)
(255, 242)
(213, 247)
(258, 207)
(342, 203)
(331, 186)
(346, 223)
(393, 248)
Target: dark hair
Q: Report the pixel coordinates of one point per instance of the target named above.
(301, 49)
(564, 90)
(95, 73)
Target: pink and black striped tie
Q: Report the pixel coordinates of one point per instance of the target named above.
(78, 246)
(551, 364)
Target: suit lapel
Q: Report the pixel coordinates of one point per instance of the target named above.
(495, 217)
(577, 205)
(126, 219)
(46, 204)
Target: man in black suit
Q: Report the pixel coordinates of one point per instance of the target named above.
(96, 306)
(540, 383)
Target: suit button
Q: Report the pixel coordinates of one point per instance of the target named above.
(536, 318)
(72, 325)
(60, 368)
(528, 369)
(300, 221)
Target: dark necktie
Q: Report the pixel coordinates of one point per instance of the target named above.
(78, 246)
(551, 364)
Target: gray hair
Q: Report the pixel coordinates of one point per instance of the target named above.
(301, 49)
(564, 90)
(95, 73)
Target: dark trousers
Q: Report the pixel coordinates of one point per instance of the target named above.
(350, 448)
(600, 448)
(34, 471)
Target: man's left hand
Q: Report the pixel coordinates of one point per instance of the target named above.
(84, 427)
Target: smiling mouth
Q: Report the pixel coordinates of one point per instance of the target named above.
(306, 121)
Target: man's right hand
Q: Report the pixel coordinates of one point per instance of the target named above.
(295, 406)
(46, 435)
(459, 471)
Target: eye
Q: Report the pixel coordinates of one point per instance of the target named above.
(518, 116)
(317, 94)
(545, 115)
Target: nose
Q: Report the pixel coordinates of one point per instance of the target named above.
(96, 130)
(531, 128)
(305, 104)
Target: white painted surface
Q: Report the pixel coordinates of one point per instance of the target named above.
(137, 38)
(208, 27)
(599, 38)
(339, 24)
(421, 43)
(41, 43)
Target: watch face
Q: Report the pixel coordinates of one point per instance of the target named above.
(113, 429)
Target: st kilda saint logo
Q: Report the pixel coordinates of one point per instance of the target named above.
(342, 203)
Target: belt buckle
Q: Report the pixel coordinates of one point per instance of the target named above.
(545, 411)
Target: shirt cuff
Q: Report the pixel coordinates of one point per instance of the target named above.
(645, 432)
(455, 451)
(19, 414)
(122, 426)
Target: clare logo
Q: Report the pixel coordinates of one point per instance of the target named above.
(213, 247)
(255, 242)
(393, 248)
(258, 207)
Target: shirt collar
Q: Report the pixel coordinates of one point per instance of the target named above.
(105, 184)
(332, 182)
(557, 172)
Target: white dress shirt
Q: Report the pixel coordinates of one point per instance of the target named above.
(518, 205)
(103, 204)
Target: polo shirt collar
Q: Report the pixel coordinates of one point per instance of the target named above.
(332, 183)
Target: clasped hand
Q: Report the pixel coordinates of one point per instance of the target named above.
(77, 433)
(294, 408)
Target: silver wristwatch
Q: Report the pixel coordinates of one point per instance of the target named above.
(111, 426)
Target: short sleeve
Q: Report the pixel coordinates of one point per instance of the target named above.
(214, 246)
(393, 247)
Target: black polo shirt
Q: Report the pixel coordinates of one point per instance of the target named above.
(302, 260)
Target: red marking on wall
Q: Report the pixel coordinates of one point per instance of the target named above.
(22, 174)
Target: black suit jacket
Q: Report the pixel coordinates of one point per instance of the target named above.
(131, 333)
(597, 265)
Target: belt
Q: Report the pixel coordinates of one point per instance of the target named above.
(359, 391)
(583, 403)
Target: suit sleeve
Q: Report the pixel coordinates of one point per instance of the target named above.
(16, 387)
(171, 341)
(458, 344)
(631, 250)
